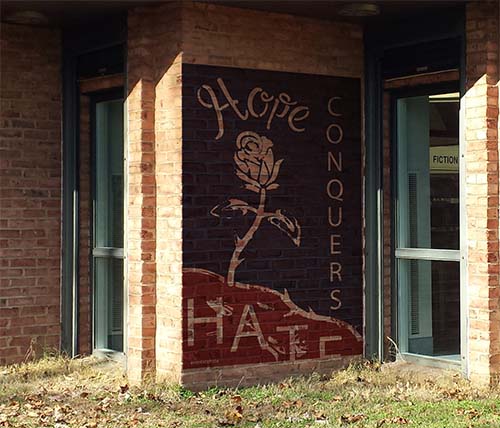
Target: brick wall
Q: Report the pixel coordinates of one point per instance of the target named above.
(284, 252)
(169, 197)
(141, 200)
(228, 37)
(223, 36)
(160, 40)
(84, 272)
(481, 117)
(30, 190)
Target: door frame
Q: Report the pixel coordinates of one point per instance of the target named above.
(380, 39)
(434, 254)
(107, 94)
(78, 43)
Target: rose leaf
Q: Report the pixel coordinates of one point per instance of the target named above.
(232, 207)
(287, 224)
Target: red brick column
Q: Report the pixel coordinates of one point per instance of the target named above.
(169, 146)
(141, 212)
(481, 119)
(155, 192)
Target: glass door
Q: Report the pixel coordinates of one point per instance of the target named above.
(427, 231)
(107, 253)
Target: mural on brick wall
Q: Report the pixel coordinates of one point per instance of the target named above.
(258, 170)
(271, 217)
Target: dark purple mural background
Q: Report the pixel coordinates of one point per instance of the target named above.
(313, 124)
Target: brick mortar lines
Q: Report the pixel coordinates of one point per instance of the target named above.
(166, 137)
(482, 190)
(30, 195)
(168, 141)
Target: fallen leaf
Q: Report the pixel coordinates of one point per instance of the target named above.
(320, 416)
(350, 419)
(59, 414)
(396, 420)
(298, 403)
(470, 413)
(105, 402)
(232, 417)
(399, 420)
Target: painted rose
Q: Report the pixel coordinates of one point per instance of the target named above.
(255, 163)
(256, 167)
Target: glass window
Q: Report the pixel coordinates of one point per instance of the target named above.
(431, 299)
(428, 171)
(427, 225)
(109, 174)
(109, 303)
(108, 226)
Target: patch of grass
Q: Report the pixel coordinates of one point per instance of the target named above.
(59, 392)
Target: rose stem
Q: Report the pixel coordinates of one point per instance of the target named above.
(243, 242)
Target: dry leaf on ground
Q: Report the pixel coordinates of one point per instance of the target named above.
(350, 419)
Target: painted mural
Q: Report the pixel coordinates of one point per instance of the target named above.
(258, 170)
(271, 217)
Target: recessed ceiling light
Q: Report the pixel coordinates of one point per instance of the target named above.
(360, 9)
(27, 17)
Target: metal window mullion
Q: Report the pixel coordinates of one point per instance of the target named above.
(373, 299)
(70, 210)
(111, 252)
(428, 254)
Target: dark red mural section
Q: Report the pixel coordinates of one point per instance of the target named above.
(246, 324)
(272, 245)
